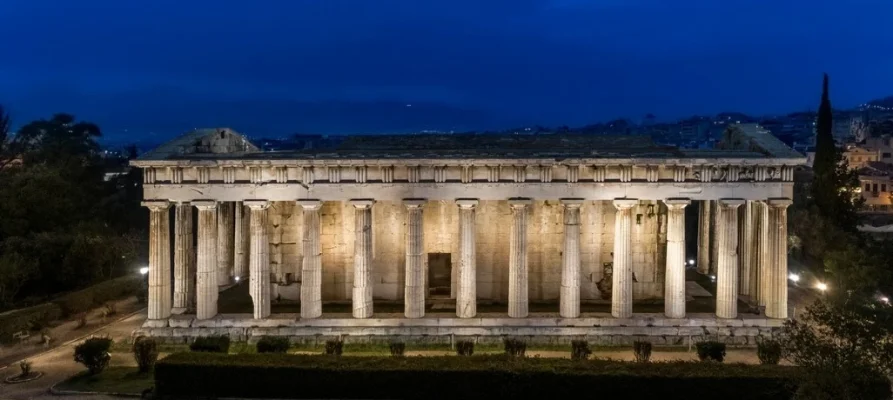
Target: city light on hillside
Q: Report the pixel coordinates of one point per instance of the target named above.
(794, 277)
(821, 286)
(885, 299)
(691, 261)
(144, 270)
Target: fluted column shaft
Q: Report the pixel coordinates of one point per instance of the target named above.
(259, 263)
(240, 240)
(763, 253)
(466, 295)
(518, 259)
(362, 267)
(704, 224)
(745, 250)
(674, 281)
(570, 260)
(184, 268)
(777, 287)
(622, 280)
(206, 260)
(727, 263)
(311, 267)
(414, 291)
(225, 249)
(714, 235)
(159, 260)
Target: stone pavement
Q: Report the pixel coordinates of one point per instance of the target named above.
(58, 364)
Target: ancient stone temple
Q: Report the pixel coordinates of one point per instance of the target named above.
(441, 236)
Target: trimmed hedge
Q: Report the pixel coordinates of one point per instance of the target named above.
(209, 375)
(66, 305)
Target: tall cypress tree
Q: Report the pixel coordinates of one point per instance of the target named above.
(834, 186)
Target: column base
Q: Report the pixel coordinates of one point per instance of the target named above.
(414, 300)
(311, 309)
(466, 309)
(362, 308)
(178, 310)
(518, 309)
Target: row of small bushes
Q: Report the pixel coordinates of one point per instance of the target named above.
(768, 351)
(318, 376)
(39, 316)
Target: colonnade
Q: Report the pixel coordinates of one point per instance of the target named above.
(215, 265)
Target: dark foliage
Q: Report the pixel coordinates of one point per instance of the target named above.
(145, 353)
(210, 344)
(94, 354)
(334, 347)
(642, 351)
(464, 348)
(580, 350)
(273, 344)
(769, 351)
(480, 377)
(515, 348)
(711, 351)
(397, 349)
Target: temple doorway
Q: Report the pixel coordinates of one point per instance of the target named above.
(439, 272)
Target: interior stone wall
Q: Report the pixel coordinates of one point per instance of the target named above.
(493, 226)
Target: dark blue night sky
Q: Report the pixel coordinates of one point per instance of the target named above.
(335, 66)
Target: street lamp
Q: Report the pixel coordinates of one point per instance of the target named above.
(794, 277)
(821, 286)
(885, 299)
(237, 279)
(691, 261)
(144, 270)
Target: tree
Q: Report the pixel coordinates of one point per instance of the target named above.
(835, 187)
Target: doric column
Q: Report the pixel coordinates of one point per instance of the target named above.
(622, 282)
(714, 236)
(466, 295)
(311, 269)
(518, 259)
(159, 259)
(704, 224)
(414, 293)
(362, 259)
(674, 281)
(225, 250)
(777, 287)
(763, 269)
(259, 264)
(184, 269)
(727, 263)
(745, 253)
(206, 260)
(570, 260)
(240, 241)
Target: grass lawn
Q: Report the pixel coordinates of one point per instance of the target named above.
(112, 380)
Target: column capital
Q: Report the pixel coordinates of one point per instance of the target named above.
(310, 204)
(414, 204)
(571, 203)
(205, 204)
(256, 204)
(362, 204)
(467, 203)
(677, 203)
(156, 205)
(731, 203)
(625, 204)
(519, 202)
(779, 202)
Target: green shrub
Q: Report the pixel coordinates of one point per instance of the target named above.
(94, 354)
(843, 382)
(210, 344)
(580, 350)
(145, 353)
(25, 319)
(711, 351)
(769, 351)
(397, 349)
(515, 348)
(642, 350)
(464, 348)
(334, 347)
(208, 375)
(273, 344)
